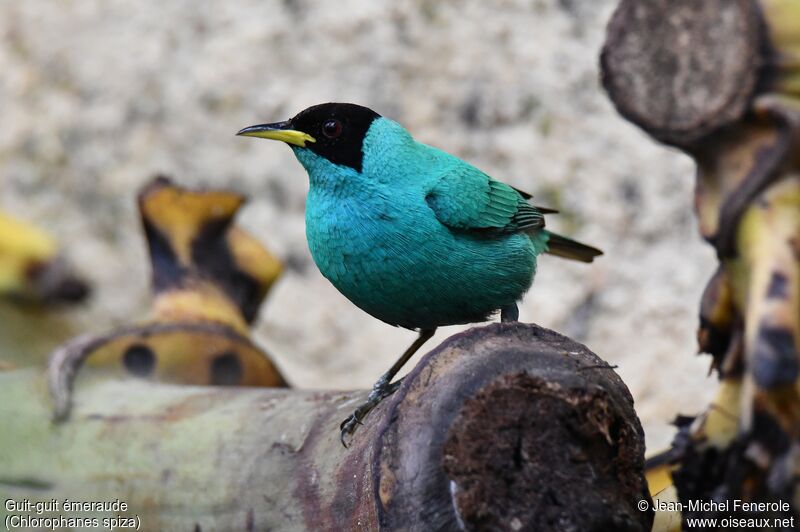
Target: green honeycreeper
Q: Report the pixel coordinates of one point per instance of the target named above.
(412, 235)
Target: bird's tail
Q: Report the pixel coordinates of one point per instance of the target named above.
(567, 248)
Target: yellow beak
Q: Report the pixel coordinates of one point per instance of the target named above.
(278, 131)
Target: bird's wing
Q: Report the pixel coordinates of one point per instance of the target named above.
(465, 199)
(528, 195)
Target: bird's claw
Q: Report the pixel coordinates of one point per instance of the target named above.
(379, 392)
(349, 425)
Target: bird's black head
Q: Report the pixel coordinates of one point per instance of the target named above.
(334, 131)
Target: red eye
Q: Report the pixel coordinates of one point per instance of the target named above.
(332, 128)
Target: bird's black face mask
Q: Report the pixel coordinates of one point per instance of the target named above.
(335, 131)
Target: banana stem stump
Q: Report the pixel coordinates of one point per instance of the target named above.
(508, 426)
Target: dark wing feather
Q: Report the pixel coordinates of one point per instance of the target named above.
(527, 196)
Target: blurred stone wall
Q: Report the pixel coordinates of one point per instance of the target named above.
(98, 95)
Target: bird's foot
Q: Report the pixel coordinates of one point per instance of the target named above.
(380, 391)
(509, 314)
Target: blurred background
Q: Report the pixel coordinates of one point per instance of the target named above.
(98, 96)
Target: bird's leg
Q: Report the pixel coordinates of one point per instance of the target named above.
(384, 387)
(509, 313)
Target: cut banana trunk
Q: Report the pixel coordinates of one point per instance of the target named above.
(209, 279)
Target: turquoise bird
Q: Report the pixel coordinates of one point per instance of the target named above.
(412, 235)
